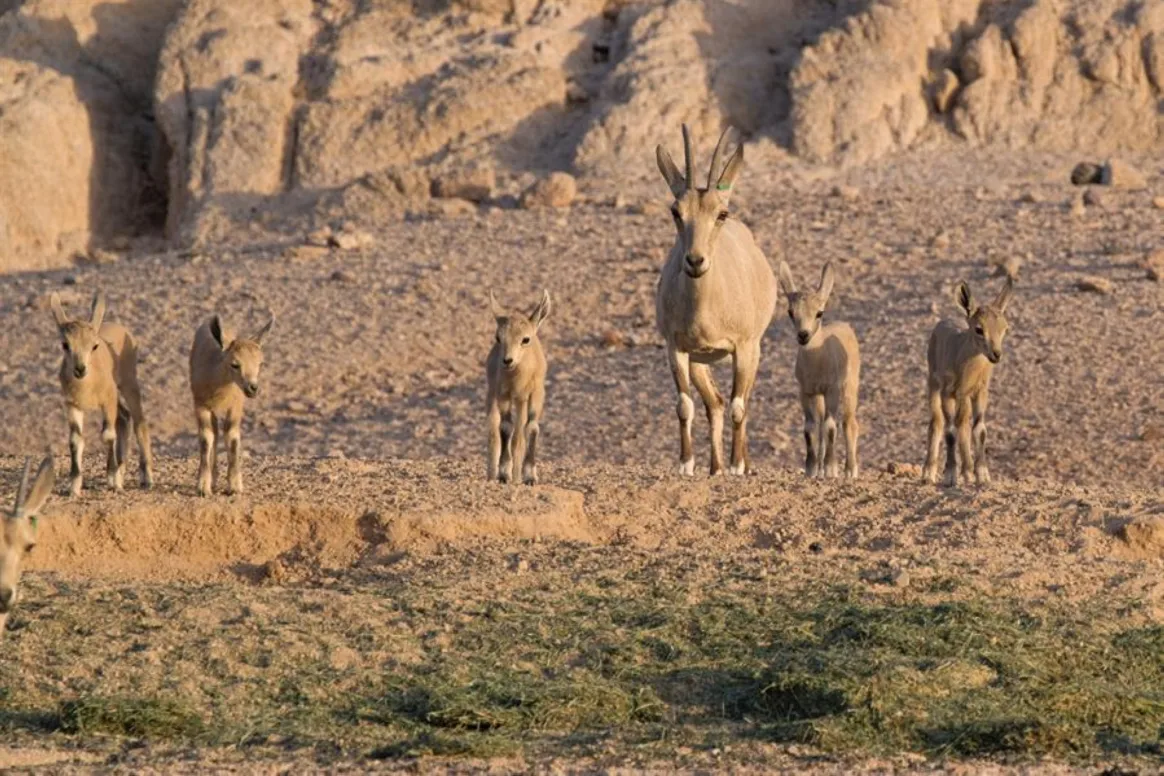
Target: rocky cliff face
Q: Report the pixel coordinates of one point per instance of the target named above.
(118, 115)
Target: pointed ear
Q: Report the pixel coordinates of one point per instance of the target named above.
(98, 313)
(263, 331)
(21, 489)
(671, 174)
(787, 284)
(55, 306)
(495, 308)
(216, 331)
(731, 172)
(1004, 296)
(542, 311)
(42, 488)
(827, 277)
(964, 298)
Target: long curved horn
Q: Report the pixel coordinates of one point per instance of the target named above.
(715, 158)
(23, 487)
(690, 159)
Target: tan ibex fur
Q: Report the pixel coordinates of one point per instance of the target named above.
(516, 370)
(223, 372)
(19, 535)
(828, 368)
(715, 299)
(99, 372)
(961, 362)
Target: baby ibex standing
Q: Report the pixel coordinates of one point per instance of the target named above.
(99, 372)
(715, 299)
(961, 361)
(828, 368)
(223, 370)
(19, 535)
(516, 369)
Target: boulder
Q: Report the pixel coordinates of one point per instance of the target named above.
(557, 190)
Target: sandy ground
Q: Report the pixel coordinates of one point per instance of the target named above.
(366, 445)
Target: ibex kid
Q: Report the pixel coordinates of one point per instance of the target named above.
(19, 535)
(99, 372)
(516, 370)
(828, 368)
(223, 372)
(961, 361)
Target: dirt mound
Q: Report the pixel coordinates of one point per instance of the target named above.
(294, 528)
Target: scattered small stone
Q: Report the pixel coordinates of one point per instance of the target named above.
(273, 572)
(452, 208)
(321, 238)
(518, 565)
(903, 469)
(558, 190)
(121, 242)
(1086, 173)
(1152, 433)
(940, 241)
(99, 256)
(1121, 175)
(1158, 203)
(816, 547)
(351, 240)
(612, 339)
(577, 93)
(69, 280)
(1008, 267)
(846, 193)
(1078, 207)
(475, 184)
(1094, 198)
(899, 578)
(342, 276)
(1030, 198)
(1094, 285)
(945, 87)
(648, 208)
(1154, 265)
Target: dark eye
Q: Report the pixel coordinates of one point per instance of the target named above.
(978, 330)
(29, 548)
(236, 365)
(675, 214)
(791, 317)
(94, 347)
(65, 346)
(723, 216)
(525, 340)
(820, 314)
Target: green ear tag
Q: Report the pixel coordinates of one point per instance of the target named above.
(723, 187)
(32, 522)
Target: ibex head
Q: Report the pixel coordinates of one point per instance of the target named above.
(19, 534)
(700, 213)
(987, 322)
(806, 308)
(79, 339)
(243, 357)
(517, 331)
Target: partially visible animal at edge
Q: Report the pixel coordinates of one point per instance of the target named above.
(828, 369)
(224, 372)
(715, 298)
(516, 372)
(961, 361)
(99, 372)
(19, 535)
